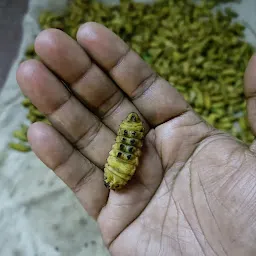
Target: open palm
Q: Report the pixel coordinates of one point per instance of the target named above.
(194, 191)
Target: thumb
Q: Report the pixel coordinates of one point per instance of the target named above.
(250, 94)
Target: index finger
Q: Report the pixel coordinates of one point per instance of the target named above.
(250, 92)
(154, 97)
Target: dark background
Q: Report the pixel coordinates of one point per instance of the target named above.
(11, 15)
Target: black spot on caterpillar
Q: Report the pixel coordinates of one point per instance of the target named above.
(123, 159)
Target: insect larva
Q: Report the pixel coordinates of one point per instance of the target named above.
(124, 156)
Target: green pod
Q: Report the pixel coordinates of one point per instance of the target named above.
(212, 118)
(32, 118)
(227, 119)
(249, 137)
(218, 111)
(224, 126)
(231, 13)
(181, 89)
(207, 100)
(36, 113)
(217, 98)
(19, 134)
(199, 98)
(236, 108)
(242, 123)
(229, 80)
(45, 120)
(26, 102)
(218, 104)
(19, 147)
(198, 110)
(185, 81)
(155, 52)
(30, 51)
(176, 56)
(236, 101)
(57, 24)
(24, 128)
(186, 67)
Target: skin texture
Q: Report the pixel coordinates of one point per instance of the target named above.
(194, 191)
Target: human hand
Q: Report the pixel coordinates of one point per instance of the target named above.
(194, 190)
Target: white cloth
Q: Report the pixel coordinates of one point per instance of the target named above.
(39, 215)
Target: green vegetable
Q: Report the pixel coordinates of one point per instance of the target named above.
(19, 147)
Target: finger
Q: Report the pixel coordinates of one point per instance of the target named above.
(154, 97)
(91, 85)
(82, 128)
(250, 92)
(83, 177)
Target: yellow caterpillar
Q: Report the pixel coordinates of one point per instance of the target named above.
(124, 156)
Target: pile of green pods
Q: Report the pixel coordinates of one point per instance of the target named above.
(200, 49)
